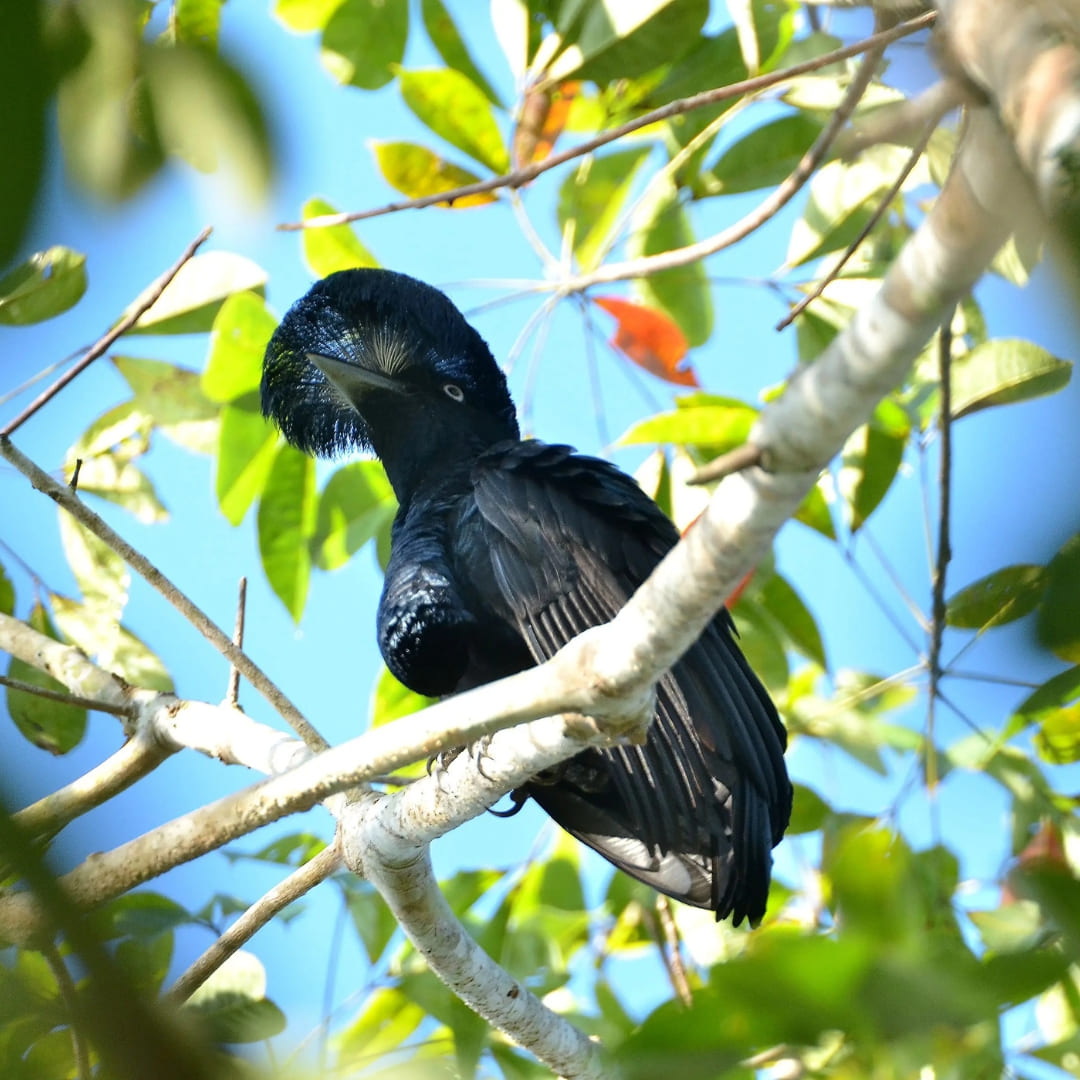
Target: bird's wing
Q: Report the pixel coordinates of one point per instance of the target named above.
(697, 809)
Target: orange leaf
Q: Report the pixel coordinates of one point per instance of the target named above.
(543, 117)
(650, 339)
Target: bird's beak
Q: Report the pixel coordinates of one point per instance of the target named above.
(351, 380)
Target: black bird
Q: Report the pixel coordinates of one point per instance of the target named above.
(503, 550)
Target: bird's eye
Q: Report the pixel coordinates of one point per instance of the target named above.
(453, 391)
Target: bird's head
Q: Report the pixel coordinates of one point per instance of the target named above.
(372, 359)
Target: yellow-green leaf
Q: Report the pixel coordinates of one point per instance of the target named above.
(305, 16)
(1004, 371)
(286, 524)
(336, 247)
(246, 450)
(1001, 597)
(46, 284)
(450, 46)
(452, 106)
(417, 171)
(242, 331)
(355, 504)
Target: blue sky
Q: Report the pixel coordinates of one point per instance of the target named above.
(1014, 469)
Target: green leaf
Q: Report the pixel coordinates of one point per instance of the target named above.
(364, 40)
(242, 331)
(305, 16)
(196, 22)
(391, 700)
(623, 40)
(592, 196)
(763, 157)
(450, 46)
(385, 1022)
(111, 477)
(355, 504)
(808, 812)
(1002, 372)
(173, 399)
(870, 460)
(295, 849)
(50, 725)
(192, 300)
(374, 922)
(42, 287)
(760, 642)
(448, 103)
(232, 1007)
(661, 224)
(286, 524)
(144, 964)
(102, 575)
(1058, 737)
(140, 915)
(1058, 627)
(331, 249)
(246, 451)
(999, 598)
(764, 30)
(416, 171)
(1060, 692)
(814, 512)
(786, 606)
(701, 420)
(205, 113)
(7, 593)
(1009, 928)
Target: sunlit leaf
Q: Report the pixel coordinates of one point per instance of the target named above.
(286, 523)
(50, 725)
(232, 1007)
(450, 46)
(1001, 597)
(386, 1020)
(593, 195)
(173, 399)
(787, 607)
(43, 286)
(364, 39)
(763, 157)
(246, 451)
(1058, 737)
(661, 224)
(1002, 372)
(1060, 693)
(448, 103)
(1058, 627)
(305, 16)
(196, 22)
(650, 339)
(814, 512)
(870, 460)
(192, 300)
(623, 40)
(242, 331)
(416, 171)
(120, 482)
(356, 502)
(701, 420)
(102, 575)
(336, 247)
(390, 701)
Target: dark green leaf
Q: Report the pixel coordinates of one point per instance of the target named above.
(144, 963)
(786, 606)
(334, 248)
(374, 922)
(42, 287)
(1057, 693)
(292, 850)
(760, 641)
(1004, 371)
(232, 1007)
(1001, 597)
(681, 292)
(192, 300)
(139, 915)
(448, 103)
(7, 593)
(246, 452)
(364, 39)
(1058, 626)
(355, 504)
(50, 725)
(763, 157)
(450, 46)
(808, 812)
(286, 522)
(1058, 893)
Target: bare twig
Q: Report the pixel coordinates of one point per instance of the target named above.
(299, 882)
(67, 699)
(70, 996)
(520, 177)
(944, 549)
(867, 229)
(103, 343)
(73, 483)
(742, 457)
(669, 950)
(233, 695)
(64, 497)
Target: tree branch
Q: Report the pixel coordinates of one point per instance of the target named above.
(520, 177)
(63, 496)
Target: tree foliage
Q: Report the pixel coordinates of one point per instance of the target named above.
(872, 959)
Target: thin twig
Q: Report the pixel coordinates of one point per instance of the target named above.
(73, 483)
(868, 228)
(672, 957)
(70, 996)
(233, 696)
(62, 496)
(742, 457)
(68, 699)
(520, 177)
(278, 898)
(103, 343)
(944, 550)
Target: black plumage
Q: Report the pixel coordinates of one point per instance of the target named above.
(502, 551)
